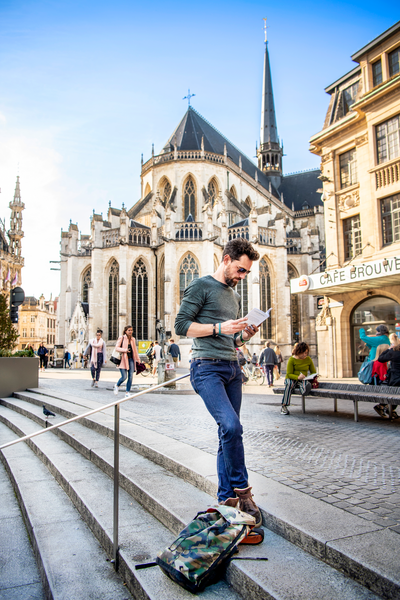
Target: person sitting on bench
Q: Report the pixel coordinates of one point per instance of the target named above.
(297, 370)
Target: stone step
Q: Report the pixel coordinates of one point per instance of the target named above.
(344, 541)
(71, 562)
(163, 493)
(46, 500)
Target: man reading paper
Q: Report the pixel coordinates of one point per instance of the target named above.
(209, 313)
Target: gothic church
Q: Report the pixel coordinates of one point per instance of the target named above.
(199, 192)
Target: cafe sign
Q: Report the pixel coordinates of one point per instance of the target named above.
(350, 274)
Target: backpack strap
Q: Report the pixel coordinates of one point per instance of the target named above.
(145, 565)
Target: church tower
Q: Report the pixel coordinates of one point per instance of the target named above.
(270, 152)
(15, 233)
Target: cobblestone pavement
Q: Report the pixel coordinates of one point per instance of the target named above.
(354, 466)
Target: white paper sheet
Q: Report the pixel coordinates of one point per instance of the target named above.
(257, 316)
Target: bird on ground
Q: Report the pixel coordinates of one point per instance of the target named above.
(48, 412)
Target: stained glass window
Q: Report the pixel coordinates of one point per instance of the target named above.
(212, 191)
(189, 195)
(166, 192)
(242, 290)
(294, 308)
(188, 271)
(140, 294)
(113, 301)
(265, 298)
(85, 284)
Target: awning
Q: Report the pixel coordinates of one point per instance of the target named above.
(368, 275)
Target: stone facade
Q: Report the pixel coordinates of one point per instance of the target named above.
(37, 323)
(359, 148)
(11, 260)
(199, 192)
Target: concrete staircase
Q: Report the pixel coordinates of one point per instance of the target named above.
(64, 486)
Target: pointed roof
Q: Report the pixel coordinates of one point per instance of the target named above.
(269, 130)
(194, 130)
(17, 193)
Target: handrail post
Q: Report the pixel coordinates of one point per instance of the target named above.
(116, 486)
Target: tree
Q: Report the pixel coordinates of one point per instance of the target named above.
(8, 333)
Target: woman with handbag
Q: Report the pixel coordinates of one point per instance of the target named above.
(97, 348)
(126, 345)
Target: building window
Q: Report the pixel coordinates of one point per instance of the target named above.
(85, 285)
(390, 208)
(24, 333)
(349, 97)
(32, 318)
(188, 271)
(242, 290)
(394, 62)
(265, 298)
(377, 73)
(166, 194)
(140, 293)
(189, 196)
(388, 139)
(294, 308)
(113, 301)
(212, 191)
(233, 191)
(348, 168)
(32, 332)
(352, 237)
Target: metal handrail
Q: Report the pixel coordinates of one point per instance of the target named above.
(116, 404)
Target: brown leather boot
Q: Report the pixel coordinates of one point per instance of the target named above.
(231, 502)
(247, 504)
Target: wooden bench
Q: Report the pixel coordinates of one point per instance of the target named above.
(378, 394)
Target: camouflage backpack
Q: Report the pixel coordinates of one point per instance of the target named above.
(194, 559)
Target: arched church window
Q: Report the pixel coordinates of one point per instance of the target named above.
(85, 284)
(265, 298)
(188, 271)
(294, 308)
(248, 202)
(113, 281)
(233, 191)
(140, 295)
(242, 290)
(166, 193)
(189, 199)
(212, 191)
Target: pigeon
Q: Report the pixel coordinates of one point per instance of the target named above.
(48, 412)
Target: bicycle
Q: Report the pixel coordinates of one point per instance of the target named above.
(147, 370)
(256, 374)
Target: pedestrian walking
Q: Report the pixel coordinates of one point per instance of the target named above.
(253, 361)
(279, 358)
(209, 313)
(268, 360)
(157, 354)
(150, 355)
(297, 370)
(394, 340)
(126, 345)
(97, 350)
(42, 353)
(174, 351)
(67, 358)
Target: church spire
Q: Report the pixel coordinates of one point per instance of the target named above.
(15, 233)
(270, 152)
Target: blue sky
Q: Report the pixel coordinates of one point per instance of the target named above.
(87, 87)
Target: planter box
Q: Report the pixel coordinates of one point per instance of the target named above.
(18, 374)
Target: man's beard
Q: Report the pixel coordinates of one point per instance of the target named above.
(228, 280)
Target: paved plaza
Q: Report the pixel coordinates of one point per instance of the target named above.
(324, 454)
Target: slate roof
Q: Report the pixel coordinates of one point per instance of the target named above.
(298, 188)
(189, 133)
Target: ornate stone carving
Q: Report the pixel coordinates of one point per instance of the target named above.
(348, 201)
(326, 157)
(362, 139)
(323, 315)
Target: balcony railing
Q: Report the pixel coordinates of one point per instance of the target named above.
(110, 238)
(139, 237)
(238, 232)
(387, 175)
(188, 231)
(266, 237)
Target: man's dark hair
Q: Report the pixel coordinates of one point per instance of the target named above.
(300, 348)
(236, 248)
(269, 344)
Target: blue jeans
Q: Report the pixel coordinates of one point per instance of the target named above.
(219, 383)
(127, 373)
(96, 370)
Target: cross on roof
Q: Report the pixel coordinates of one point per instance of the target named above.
(188, 97)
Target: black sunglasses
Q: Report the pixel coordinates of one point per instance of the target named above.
(242, 270)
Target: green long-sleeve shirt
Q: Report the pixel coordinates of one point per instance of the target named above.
(296, 366)
(209, 301)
